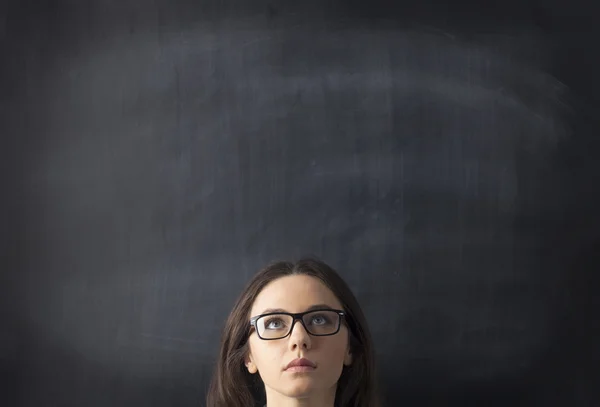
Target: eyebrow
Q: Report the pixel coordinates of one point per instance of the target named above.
(312, 307)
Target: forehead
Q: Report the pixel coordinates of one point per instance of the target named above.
(294, 294)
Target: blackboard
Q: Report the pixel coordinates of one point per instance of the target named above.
(442, 157)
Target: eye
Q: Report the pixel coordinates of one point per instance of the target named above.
(272, 323)
(320, 319)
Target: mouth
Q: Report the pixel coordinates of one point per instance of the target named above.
(301, 365)
(300, 369)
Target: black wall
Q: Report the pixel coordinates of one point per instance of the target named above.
(443, 157)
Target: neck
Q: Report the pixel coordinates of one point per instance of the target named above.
(300, 403)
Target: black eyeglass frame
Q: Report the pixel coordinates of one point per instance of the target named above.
(298, 316)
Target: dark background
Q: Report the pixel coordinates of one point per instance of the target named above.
(441, 155)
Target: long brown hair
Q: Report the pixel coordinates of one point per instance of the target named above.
(233, 386)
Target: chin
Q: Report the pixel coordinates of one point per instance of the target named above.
(300, 390)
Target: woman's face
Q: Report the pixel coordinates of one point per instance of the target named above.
(269, 358)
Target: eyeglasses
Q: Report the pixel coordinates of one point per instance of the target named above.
(278, 325)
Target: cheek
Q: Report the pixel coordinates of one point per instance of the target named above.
(266, 356)
(334, 351)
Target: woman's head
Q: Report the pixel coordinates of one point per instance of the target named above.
(253, 358)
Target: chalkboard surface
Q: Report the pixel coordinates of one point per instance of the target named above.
(443, 158)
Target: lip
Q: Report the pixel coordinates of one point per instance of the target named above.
(300, 369)
(301, 365)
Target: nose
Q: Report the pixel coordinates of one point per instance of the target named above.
(299, 337)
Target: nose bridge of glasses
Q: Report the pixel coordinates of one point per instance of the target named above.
(298, 318)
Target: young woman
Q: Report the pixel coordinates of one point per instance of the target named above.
(296, 337)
